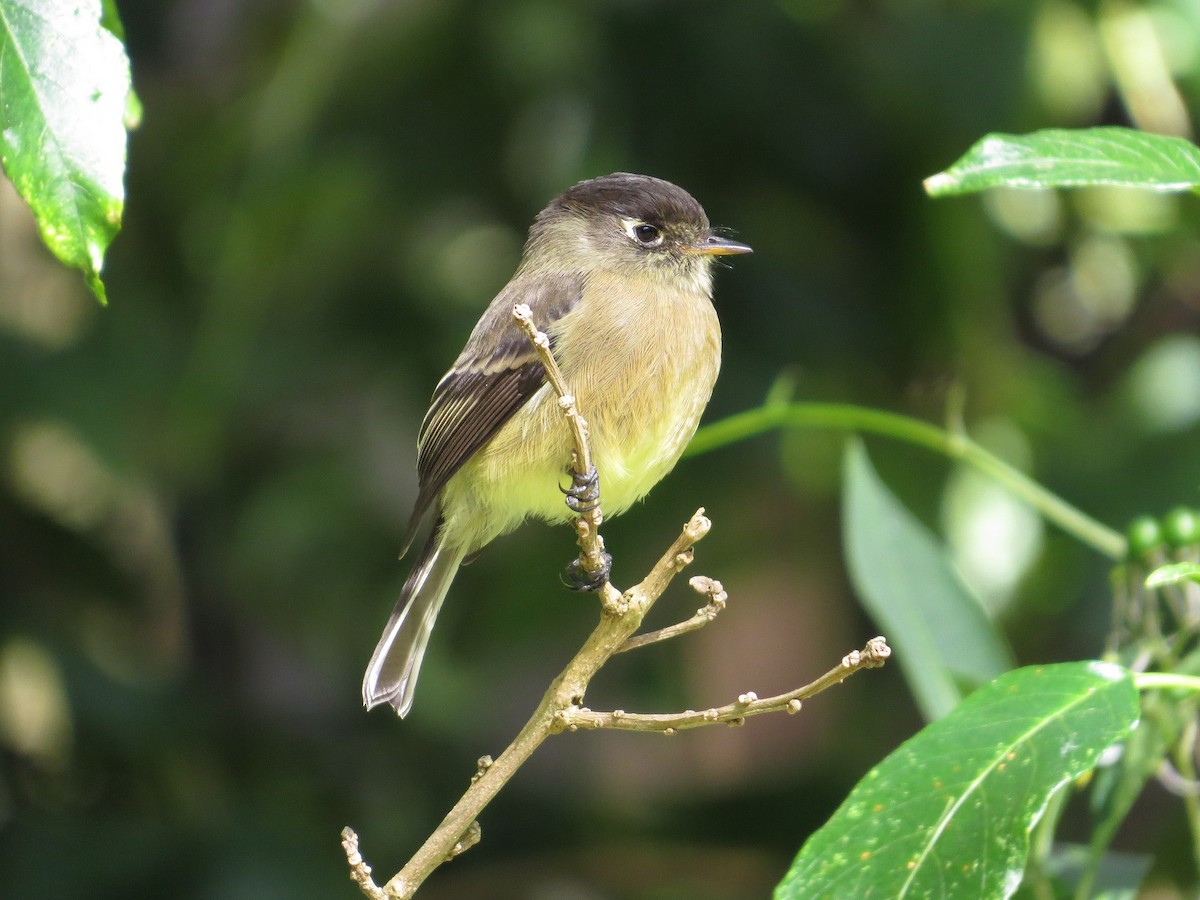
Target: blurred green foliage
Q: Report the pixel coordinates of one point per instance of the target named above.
(202, 488)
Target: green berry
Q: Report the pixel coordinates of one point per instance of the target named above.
(1181, 527)
(1144, 534)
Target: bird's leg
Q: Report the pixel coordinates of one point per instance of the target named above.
(580, 579)
(583, 497)
(584, 493)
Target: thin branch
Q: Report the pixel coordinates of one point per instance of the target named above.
(360, 872)
(872, 656)
(619, 619)
(541, 342)
(587, 526)
(702, 584)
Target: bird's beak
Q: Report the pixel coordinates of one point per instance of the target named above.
(718, 246)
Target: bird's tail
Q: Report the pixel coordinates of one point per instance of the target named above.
(392, 673)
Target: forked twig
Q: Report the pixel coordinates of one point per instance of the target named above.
(716, 602)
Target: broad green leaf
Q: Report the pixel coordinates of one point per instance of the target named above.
(904, 578)
(948, 814)
(1060, 157)
(1173, 574)
(64, 87)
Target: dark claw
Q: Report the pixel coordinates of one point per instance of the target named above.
(578, 579)
(584, 493)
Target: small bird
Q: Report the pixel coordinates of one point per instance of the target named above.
(618, 272)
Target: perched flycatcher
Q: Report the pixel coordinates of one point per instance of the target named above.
(618, 273)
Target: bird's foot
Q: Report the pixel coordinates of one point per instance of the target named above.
(583, 495)
(580, 579)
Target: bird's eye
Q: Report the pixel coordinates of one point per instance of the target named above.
(643, 233)
(647, 234)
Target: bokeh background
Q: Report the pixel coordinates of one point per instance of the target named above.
(203, 487)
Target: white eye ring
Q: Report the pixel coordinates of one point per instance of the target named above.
(642, 233)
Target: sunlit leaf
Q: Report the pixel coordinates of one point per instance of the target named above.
(937, 627)
(64, 89)
(948, 814)
(1060, 157)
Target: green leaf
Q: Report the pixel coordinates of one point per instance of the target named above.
(1060, 157)
(948, 814)
(64, 84)
(905, 580)
(1173, 574)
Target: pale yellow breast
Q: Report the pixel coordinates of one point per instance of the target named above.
(644, 395)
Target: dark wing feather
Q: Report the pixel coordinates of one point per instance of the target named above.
(468, 409)
(497, 372)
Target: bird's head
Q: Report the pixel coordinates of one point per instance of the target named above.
(628, 223)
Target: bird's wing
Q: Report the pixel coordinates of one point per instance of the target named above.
(497, 372)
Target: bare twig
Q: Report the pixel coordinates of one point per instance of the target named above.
(701, 584)
(618, 621)
(870, 657)
(579, 430)
(587, 526)
(360, 872)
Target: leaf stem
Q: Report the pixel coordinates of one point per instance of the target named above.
(1151, 680)
(955, 445)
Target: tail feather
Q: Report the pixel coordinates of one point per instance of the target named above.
(392, 673)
